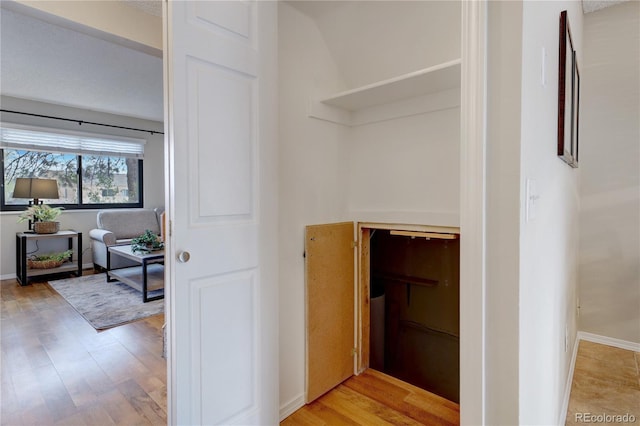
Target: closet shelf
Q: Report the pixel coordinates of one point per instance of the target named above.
(405, 279)
(422, 82)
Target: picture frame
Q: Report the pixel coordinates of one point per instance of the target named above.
(575, 108)
(568, 96)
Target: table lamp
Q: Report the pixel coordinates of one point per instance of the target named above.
(36, 188)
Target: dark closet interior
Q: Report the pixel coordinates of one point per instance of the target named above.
(415, 310)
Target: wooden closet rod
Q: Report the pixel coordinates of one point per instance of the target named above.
(427, 235)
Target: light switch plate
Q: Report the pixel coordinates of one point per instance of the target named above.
(543, 67)
(531, 200)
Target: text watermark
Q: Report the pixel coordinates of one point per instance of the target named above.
(604, 418)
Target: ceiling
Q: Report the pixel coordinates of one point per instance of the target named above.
(152, 7)
(49, 63)
(593, 5)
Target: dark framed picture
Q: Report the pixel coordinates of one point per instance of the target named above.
(575, 110)
(568, 95)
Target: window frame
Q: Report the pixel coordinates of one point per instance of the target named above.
(79, 205)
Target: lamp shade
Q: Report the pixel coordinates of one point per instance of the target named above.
(36, 188)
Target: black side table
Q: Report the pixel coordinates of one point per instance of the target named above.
(23, 273)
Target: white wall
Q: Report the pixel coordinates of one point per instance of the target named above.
(81, 220)
(609, 257)
(531, 264)
(330, 172)
(312, 179)
(548, 243)
(406, 170)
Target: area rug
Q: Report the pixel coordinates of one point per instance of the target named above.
(106, 304)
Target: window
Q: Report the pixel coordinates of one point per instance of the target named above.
(92, 171)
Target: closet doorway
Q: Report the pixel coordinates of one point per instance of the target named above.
(412, 293)
(403, 316)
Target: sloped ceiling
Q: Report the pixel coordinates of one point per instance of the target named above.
(45, 62)
(376, 40)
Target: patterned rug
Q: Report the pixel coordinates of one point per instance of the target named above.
(106, 304)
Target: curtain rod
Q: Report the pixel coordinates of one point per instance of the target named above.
(81, 122)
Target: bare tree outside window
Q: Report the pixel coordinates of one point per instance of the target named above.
(103, 179)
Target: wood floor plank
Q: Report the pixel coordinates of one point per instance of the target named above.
(414, 391)
(373, 398)
(56, 369)
(36, 415)
(303, 417)
(365, 410)
(92, 415)
(418, 404)
(337, 401)
(142, 402)
(329, 415)
(438, 413)
(121, 410)
(118, 363)
(27, 391)
(54, 393)
(7, 396)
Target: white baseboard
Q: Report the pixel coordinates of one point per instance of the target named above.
(290, 407)
(12, 276)
(567, 386)
(8, 276)
(609, 341)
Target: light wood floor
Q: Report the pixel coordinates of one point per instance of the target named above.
(373, 398)
(57, 370)
(606, 380)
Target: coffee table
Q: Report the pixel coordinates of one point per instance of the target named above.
(149, 276)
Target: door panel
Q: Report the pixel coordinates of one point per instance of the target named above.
(220, 79)
(223, 104)
(329, 261)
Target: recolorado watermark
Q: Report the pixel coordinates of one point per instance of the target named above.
(604, 418)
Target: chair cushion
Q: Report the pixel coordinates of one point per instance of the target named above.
(128, 223)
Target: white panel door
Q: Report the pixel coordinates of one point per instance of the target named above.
(220, 60)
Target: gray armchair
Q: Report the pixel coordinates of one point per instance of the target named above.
(119, 227)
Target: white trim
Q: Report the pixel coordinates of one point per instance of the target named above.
(609, 341)
(169, 190)
(472, 213)
(567, 388)
(292, 406)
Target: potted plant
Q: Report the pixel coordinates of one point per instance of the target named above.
(146, 243)
(43, 218)
(47, 261)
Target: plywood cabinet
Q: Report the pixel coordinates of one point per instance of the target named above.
(329, 305)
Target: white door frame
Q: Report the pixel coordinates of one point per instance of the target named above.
(472, 212)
